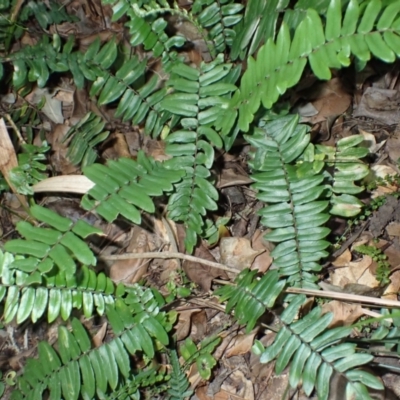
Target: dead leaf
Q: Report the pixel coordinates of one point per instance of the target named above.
(201, 393)
(329, 99)
(132, 270)
(98, 338)
(183, 326)
(355, 272)
(393, 229)
(263, 261)
(343, 313)
(237, 252)
(380, 104)
(393, 147)
(241, 344)
(391, 292)
(343, 260)
(370, 142)
(52, 107)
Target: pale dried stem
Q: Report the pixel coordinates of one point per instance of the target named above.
(167, 255)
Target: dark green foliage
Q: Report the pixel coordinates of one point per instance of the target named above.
(30, 169)
(178, 384)
(125, 185)
(250, 297)
(85, 135)
(77, 369)
(195, 109)
(201, 354)
(312, 350)
(289, 176)
(359, 31)
(196, 98)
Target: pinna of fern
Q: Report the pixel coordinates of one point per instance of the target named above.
(291, 180)
(372, 28)
(308, 346)
(77, 369)
(195, 96)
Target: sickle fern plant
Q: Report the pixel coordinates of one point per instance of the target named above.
(194, 108)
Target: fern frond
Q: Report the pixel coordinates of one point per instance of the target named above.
(125, 185)
(59, 245)
(294, 210)
(250, 297)
(257, 25)
(76, 369)
(30, 170)
(179, 383)
(201, 353)
(85, 135)
(314, 352)
(373, 30)
(217, 20)
(290, 176)
(138, 99)
(57, 294)
(196, 96)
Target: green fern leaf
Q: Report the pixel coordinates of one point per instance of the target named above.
(178, 384)
(263, 83)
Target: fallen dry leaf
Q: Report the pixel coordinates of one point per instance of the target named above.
(184, 324)
(241, 344)
(343, 313)
(237, 252)
(132, 270)
(263, 261)
(343, 260)
(393, 147)
(98, 338)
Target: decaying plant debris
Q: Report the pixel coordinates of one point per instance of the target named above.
(200, 199)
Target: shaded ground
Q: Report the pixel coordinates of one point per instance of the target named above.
(366, 103)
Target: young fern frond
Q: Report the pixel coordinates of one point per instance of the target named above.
(179, 383)
(281, 61)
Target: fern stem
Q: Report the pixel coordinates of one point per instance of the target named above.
(167, 255)
(372, 301)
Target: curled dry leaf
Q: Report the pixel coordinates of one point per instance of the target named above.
(370, 142)
(98, 338)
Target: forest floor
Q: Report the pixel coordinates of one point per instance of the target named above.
(366, 103)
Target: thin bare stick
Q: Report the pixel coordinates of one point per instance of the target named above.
(15, 128)
(373, 301)
(168, 254)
